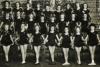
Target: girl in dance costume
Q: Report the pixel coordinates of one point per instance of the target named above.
(51, 38)
(23, 41)
(78, 42)
(37, 41)
(6, 40)
(92, 41)
(65, 41)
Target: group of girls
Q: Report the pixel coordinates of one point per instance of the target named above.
(38, 26)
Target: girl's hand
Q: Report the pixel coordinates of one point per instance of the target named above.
(12, 44)
(99, 42)
(58, 44)
(44, 46)
(45, 41)
(85, 42)
(18, 47)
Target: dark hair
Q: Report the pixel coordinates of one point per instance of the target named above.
(18, 3)
(92, 24)
(4, 2)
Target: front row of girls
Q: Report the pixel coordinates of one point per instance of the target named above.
(51, 39)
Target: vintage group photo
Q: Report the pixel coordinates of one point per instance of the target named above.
(49, 33)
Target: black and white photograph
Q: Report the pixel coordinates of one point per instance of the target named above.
(49, 33)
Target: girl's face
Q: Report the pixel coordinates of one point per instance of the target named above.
(52, 19)
(77, 30)
(92, 28)
(28, 5)
(6, 27)
(78, 5)
(30, 1)
(73, 15)
(7, 4)
(42, 18)
(68, 6)
(62, 17)
(31, 16)
(85, 6)
(37, 28)
(47, 8)
(52, 28)
(66, 30)
(85, 15)
(17, 5)
(38, 6)
(59, 8)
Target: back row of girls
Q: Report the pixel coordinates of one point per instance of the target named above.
(73, 13)
(48, 27)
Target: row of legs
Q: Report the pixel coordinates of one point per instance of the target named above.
(52, 50)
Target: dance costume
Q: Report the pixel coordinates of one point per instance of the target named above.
(66, 41)
(68, 14)
(78, 41)
(6, 40)
(37, 39)
(43, 27)
(51, 39)
(92, 40)
(23, 38)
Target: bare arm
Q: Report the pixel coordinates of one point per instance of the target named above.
(98, 38)
(12, 39)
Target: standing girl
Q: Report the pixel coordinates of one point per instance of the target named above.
(78, 43)
(6, 40)
(51, 38)
(37, 40)
(23, 42)
(66, 40)
(92, 40)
